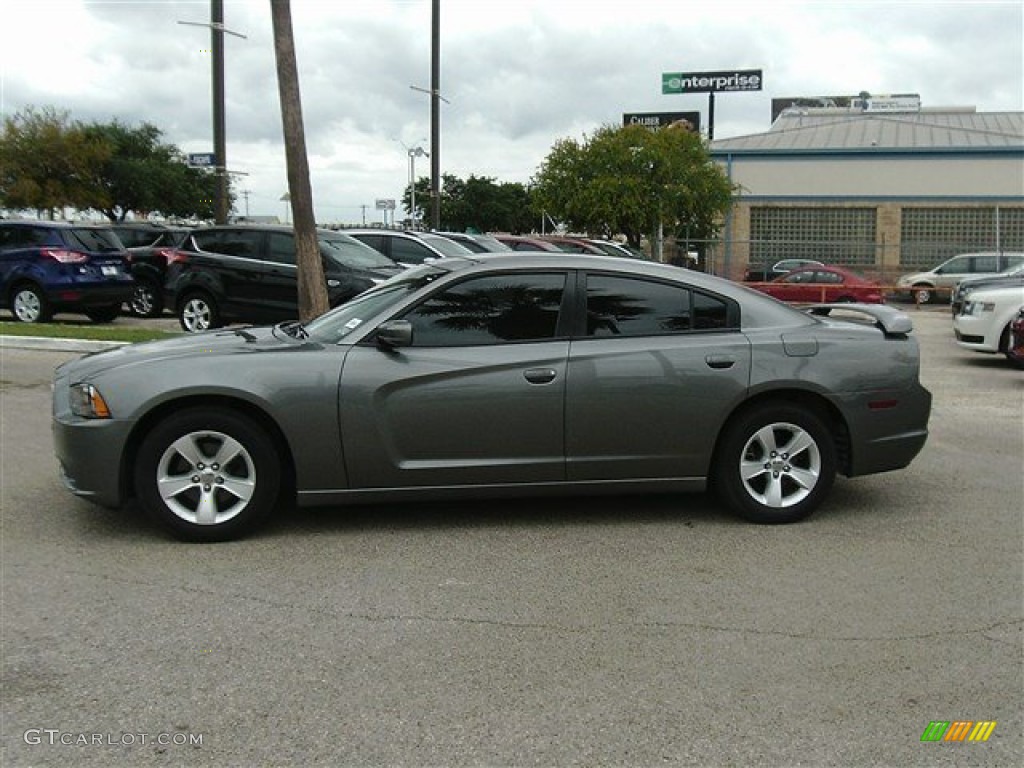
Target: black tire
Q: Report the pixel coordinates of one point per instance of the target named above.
(29, 304)
(104, 314)
(200, 498)
(147, 300)
(923, 294)
(198, 312)
(762, 481)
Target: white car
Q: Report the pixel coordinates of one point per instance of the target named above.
(984, 322)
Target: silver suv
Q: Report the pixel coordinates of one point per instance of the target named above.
(923, 287)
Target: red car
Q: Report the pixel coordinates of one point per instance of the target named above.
(825, 285)
(1015, 349)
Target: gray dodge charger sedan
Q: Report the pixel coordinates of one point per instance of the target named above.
(499, 376)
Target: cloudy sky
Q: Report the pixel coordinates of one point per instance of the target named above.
(519, 74)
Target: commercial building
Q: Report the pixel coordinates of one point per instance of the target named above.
(883, 191)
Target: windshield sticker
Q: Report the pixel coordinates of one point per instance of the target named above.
(352, 324)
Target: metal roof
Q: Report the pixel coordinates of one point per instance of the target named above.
(798, 130)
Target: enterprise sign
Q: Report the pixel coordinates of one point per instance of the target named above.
(711, 82)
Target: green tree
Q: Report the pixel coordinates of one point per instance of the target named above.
(143, 175)
(477, 203)
(633, 181)
(48, 163)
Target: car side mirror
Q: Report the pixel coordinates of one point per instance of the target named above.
(395, 333)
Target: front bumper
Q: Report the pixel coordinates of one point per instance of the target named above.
(89, 451)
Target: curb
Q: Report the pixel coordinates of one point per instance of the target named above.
(57, 345)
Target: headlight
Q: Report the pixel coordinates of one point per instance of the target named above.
(977, 307)
(87, 402)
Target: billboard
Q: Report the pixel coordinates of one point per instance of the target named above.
(712, 82)
(862, 102)
(654, 120)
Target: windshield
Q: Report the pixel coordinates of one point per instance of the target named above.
(351, 253)
(340, 322)
(445, 246)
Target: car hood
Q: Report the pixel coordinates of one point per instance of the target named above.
(238, 341)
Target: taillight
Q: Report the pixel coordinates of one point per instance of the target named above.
(173, 255)
(64, 257)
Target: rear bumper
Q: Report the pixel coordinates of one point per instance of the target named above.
(90, 294)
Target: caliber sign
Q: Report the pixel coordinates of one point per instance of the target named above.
(711, 82)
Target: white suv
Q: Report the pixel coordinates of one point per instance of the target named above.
(984, 322)
(923, 287)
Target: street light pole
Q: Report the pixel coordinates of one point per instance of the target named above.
(413, 154)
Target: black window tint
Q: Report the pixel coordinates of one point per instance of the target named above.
(23, 237)
(409, 251)
(709, 312)
(984, 263)
(490, 310)
(230, 243)
(281, 248)
(95, 240)
(618, 306)
(374, 241)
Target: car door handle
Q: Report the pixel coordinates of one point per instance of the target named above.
(540, 375)
(720, 362)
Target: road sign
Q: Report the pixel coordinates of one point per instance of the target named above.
(202, 160)
(385, 205)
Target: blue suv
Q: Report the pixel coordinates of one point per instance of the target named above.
(49, 266)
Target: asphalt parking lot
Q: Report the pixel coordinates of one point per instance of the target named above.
(633, 631)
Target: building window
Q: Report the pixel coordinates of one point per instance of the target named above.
(929, 236)
(843, 236)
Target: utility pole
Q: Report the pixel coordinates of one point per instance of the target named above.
(220, 203)
(435, 116)
(217, 30)
(312, 284)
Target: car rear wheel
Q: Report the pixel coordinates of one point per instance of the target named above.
(207, 474)
(104, 314)
(29, 305)
(776, 463)
(146, 300)
(198, 313)
(923, 294)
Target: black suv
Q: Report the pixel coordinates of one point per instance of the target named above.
(49, 266)
(248, 274)
(149, 268)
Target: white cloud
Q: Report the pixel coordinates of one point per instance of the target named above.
(520, 74)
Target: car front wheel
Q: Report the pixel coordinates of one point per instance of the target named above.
(776, 464)
(198, 313)
(29, 305)
(207, 474)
